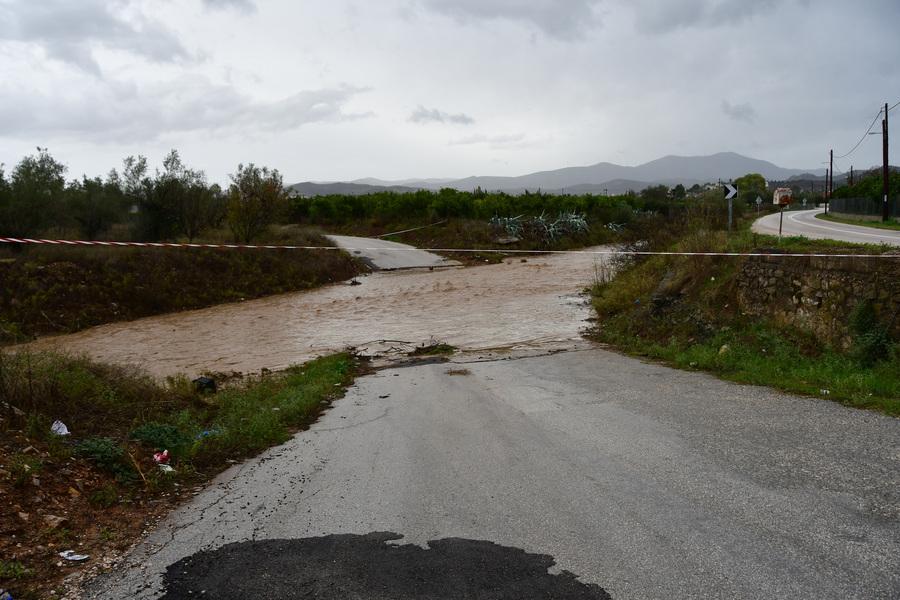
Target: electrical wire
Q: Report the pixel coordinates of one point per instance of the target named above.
(865, 135)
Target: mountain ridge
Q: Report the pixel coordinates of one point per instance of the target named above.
(603, 177)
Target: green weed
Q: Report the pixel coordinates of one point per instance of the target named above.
(103, 497)
(108, 455)
(14, 570)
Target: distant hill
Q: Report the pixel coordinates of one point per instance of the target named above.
(597, 179)
(309, 189)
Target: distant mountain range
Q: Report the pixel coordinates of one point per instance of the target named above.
(597, 179)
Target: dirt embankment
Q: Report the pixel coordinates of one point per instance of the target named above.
(62, 290)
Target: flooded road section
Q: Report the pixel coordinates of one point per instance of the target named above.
(533, 301)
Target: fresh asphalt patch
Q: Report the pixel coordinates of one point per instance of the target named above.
(369, 566)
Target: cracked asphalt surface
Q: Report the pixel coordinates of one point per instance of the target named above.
(621, 477)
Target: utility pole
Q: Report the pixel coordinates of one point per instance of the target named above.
(884, 139)
(831, 177)
(851, 175)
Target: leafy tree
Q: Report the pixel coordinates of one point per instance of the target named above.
(679, 193)
(138, 192)
(35, 197)
(871, 185)
(256, 196)
(96, 205)
(751, 181)
(189, 196)
(5, 195)
(751, 186)
(656, 198)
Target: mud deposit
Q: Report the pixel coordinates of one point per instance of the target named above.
(535, 301)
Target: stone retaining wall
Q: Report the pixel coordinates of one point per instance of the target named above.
(820, 292)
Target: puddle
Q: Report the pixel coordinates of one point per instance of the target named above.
(515, 303)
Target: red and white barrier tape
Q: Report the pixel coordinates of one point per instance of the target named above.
(509, 251)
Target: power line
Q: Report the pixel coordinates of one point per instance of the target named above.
(866, 134)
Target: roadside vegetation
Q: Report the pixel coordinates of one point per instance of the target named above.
(892, 224)
(704, 328)
(62, 289)
(96, 488)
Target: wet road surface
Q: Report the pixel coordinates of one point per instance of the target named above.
(640, 481)
(805, 223)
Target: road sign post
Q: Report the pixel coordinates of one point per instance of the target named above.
(782, 196)
(731, 191)
(758, 203)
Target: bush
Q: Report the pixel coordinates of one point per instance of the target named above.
(108, 455)
(163, 437)
(871, 340)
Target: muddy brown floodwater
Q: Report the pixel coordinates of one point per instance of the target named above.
(532, 302)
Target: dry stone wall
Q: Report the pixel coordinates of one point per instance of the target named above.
(819, 293)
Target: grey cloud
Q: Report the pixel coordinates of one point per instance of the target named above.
(67, 31)
(664, 16)
(424, 115)
(740, 112)
(560, 19)
(493, 141)
(244, 6)
(128, 114)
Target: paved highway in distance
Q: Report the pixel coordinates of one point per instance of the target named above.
(807, 224)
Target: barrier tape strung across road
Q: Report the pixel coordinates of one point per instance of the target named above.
(510, 251)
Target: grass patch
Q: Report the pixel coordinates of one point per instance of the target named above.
(119, 413)
(891, 224)
(118, 419)
(685, 311)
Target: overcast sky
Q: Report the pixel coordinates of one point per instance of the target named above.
(394, 89)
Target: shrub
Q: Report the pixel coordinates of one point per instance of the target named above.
(871, 341)
(108, 455)
(163, 437)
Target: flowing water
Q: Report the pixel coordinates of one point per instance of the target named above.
(531, 302)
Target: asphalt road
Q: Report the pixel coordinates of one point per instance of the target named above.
(634, 479)
(383, 255)
(805, 223)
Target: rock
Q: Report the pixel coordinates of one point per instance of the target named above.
(24, 516)
(55, 522)
(723, 349)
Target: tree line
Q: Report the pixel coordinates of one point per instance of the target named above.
(871, 185)
(422, 206)
(175, 202)
(172, 202)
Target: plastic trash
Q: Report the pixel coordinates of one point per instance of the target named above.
(58, 428)
(4, 595)
(166, 468)
(161, 458)
(70, 555)
(205, 384)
